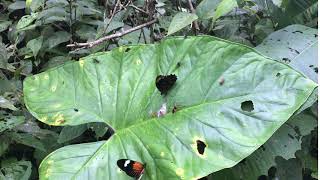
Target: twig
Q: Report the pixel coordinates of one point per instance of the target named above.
(139, 9)
(112, 15)
(112, 36)
(195, 23)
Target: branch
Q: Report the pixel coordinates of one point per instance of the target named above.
(195, 23)
(112, 36)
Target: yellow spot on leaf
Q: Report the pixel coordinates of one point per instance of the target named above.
(59, 119)
(138, 62)
(48, 172)
(46, 77)
(50, 162)
(44, 118)
(118, 170)
(162, 154)
(81, 62)
(57, 105)
(180, 172)
(120, 49)
(53, 88)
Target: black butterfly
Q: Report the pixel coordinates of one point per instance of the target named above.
(165, 83)
(131, 168)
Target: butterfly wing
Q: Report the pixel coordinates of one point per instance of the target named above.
(131, 168)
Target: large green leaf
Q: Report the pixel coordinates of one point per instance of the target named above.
(297, 46)
(285, 142)
(216, 79)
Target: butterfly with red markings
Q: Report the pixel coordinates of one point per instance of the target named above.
(133, 169)
(165, 83)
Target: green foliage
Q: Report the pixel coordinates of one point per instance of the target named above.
(295, 45)
(13, 169)
(181, 20)
(287, 141)
(33, 39)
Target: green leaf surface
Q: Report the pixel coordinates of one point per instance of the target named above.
(70, 132)
(57, 38)
(309, 151)
(4, 144)
(35, 45)
(11, 169)
(17, 5)
(181, 20)
(9, 122)
(28, 140)
(118, 88)
(26, 21)
(4, 25)
(296, 45)
(215, 8)
(206, 9)
(285, 142)
(224, 7)
(7, 104)
(36, 4)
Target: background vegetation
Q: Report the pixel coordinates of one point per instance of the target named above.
(36, 35)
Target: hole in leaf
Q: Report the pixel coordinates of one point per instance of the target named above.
(174, 109)
(315, 69)
(165, 82)
(76, 110)
(272, 172)
(297, 32)
(221, 81)
(247, 106)
(201, 146)
(96, 61)
(278, 40)
(127, 50)
(278, 74)
(311, 66)
(286, 59)
(315, 35)
(178, 64)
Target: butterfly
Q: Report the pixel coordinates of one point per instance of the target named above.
(131, 168)
(165, 83)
